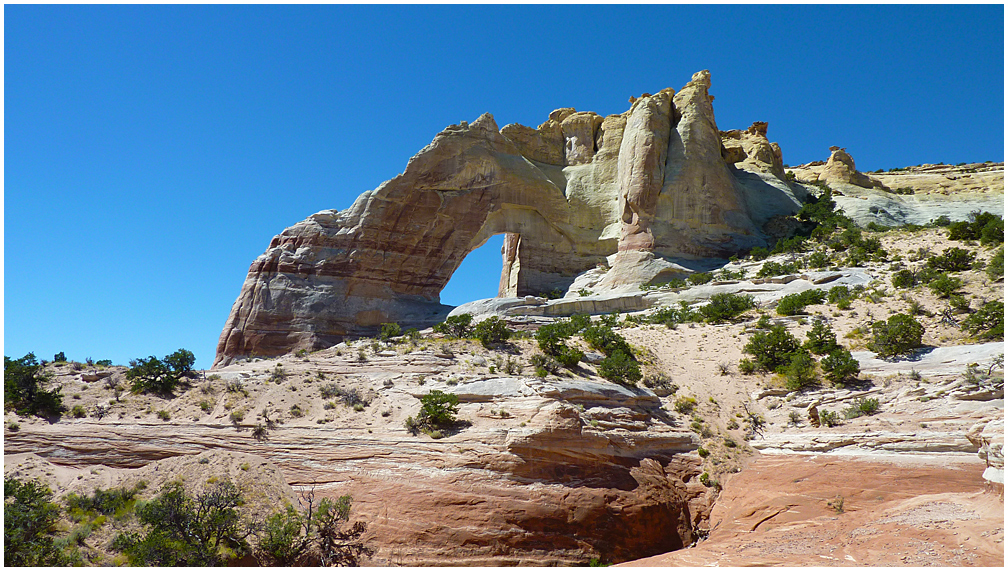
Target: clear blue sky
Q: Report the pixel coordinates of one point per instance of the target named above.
(151, 152)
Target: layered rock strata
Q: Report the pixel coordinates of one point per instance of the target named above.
(655, 187)
(540, 471)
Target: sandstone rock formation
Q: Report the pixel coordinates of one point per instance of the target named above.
(840, 168)
(543, 471)
(649, 188)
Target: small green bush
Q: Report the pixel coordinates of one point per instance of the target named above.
(30, 525)
(604, 339)
(983, 226)
(904, 279)
(800, 372)
(840, 293)
(771, 269)
(945, 285)
(899, 335)
(23, 388)
(952, 260)
(829, 418)
(726, 306)
(793, 304)
(620, 368)
(160, 376)
(839, 366)
(458, 326)
(759, 253)
(862, 407)
(685, 405)
(492, 330)
(545, 363)
(389, 330)
(772, 350)
(747, 366)
(437, 409)
(995, 269)
(78, 411)
(821, 339)
(700, 278)
(987, 322)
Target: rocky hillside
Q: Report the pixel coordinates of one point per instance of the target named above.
(568, 466)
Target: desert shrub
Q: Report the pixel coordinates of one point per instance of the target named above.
(78, 411)
(959, 303)
(771, 269)
(329, 390)
(791, 245)
(829, 418)
(23, 388)
(281, 542)
(726, 306)
(904, 279)
(621, 368)
(106, 502)
(794, 303)
(672, 316)
(604, 339)
(389, 330)
(899, 335)
(772, 350)
(819, 259)
(437, 409)
(800, 372)
(945, 285)
(759, 253)
(685, 405)
(545, 364)
(551, 341)
(840, 293)
(839, 366)
(820, 339)
(700, 278)
(983, 226)
(181, 530)
(862, 407)
(492, 330)
(353, 397)
(747, 366)
(952, 260)
(987, 322)
(30, 525)
(278, 375)
(459, 326)
(160, 376)
(995, 269)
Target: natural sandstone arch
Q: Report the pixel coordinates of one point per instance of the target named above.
(643, 190)
(389, 255)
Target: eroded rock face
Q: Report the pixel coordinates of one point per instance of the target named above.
(840, 168)
(650, 186)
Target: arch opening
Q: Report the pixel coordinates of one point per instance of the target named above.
(478, 276)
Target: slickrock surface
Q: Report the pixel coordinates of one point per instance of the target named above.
(895, 512)
(653, 183)
(938, 190)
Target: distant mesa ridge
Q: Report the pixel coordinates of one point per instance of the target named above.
(656, 183)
